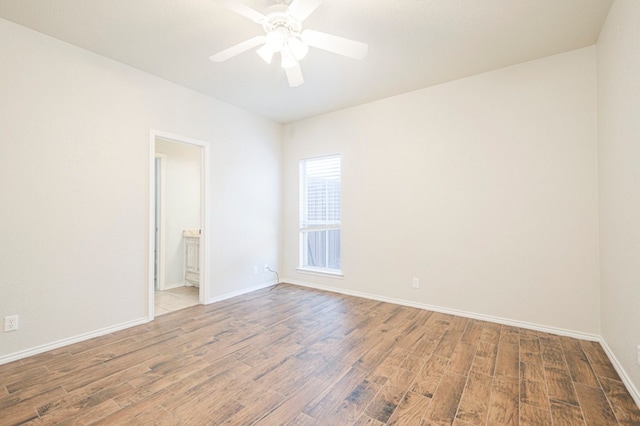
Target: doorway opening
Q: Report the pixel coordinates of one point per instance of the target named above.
(177, 223)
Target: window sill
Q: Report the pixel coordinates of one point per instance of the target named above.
(337, 275)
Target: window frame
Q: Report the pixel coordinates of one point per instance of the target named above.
(305, 227)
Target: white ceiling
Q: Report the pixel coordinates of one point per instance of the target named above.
(412, 44)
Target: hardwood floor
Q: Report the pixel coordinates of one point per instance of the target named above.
(290, 355)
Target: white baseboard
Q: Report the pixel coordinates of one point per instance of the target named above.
(240, 292)
(633, 390)
(64, 342)
(466, 314)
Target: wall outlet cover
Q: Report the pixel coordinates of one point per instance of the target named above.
(11, 323)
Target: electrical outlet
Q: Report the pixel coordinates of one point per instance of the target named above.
(416, 283)
(11, 323)
(255, 270)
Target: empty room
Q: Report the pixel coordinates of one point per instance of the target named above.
(320, 212)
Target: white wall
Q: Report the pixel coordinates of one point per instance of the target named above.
(485, 188)
(74, 192)
(619, 182)
(182, 171)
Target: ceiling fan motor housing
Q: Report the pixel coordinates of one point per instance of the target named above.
(283, 30)
(278, 20)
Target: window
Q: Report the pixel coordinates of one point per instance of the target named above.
(320, 214)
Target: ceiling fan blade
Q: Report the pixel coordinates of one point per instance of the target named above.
(244, 10)
(301, 9)
(238, 49)
(331, 43)
(294, 75)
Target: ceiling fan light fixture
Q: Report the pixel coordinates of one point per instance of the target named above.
(288, 60)
(298, 47)
(265, 53)
(275, 41)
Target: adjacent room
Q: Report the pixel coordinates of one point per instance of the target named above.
(320, 212)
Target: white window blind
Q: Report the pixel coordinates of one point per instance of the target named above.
(320, 213)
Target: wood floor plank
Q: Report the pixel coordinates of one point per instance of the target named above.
(411, 410)
(22, 411)
(580, 368)
(302, 419)
(93, 406)
(508, 359)
(533, 387)
(357, 401)
(625, 409)
(560, 386)
(595, 406)
(530, 350)
(365, 420)
(227, 373)
(293, 355)
(534, 393)
(534, 416)
(376, 353)
(18, 373)
(484, 361)
(474, 404)
(34, 385)
(280, 379)
(425, 346)
(490, 333)
(552, 356)
(414, 362)
(85, 417)
(147, 411)
(458, 323)
(291, 409)
(448, 343)
(566, 415)
(396, 356)
(412, 332)
(532, 372)
(444, 403)
(206, 409)
(570, 344)
(548, 339)
(339, 392)
(509, 334)
(504, 404)
(155, 381)
(462, 358)
(42, 359)
(473, 332)
(390, 395)
(599, 360)
(429, 377)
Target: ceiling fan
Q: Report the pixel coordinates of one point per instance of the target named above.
(282, 25)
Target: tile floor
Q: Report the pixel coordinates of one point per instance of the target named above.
(174, 299)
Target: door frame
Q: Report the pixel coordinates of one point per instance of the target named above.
(204, 214)
(159, 198)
